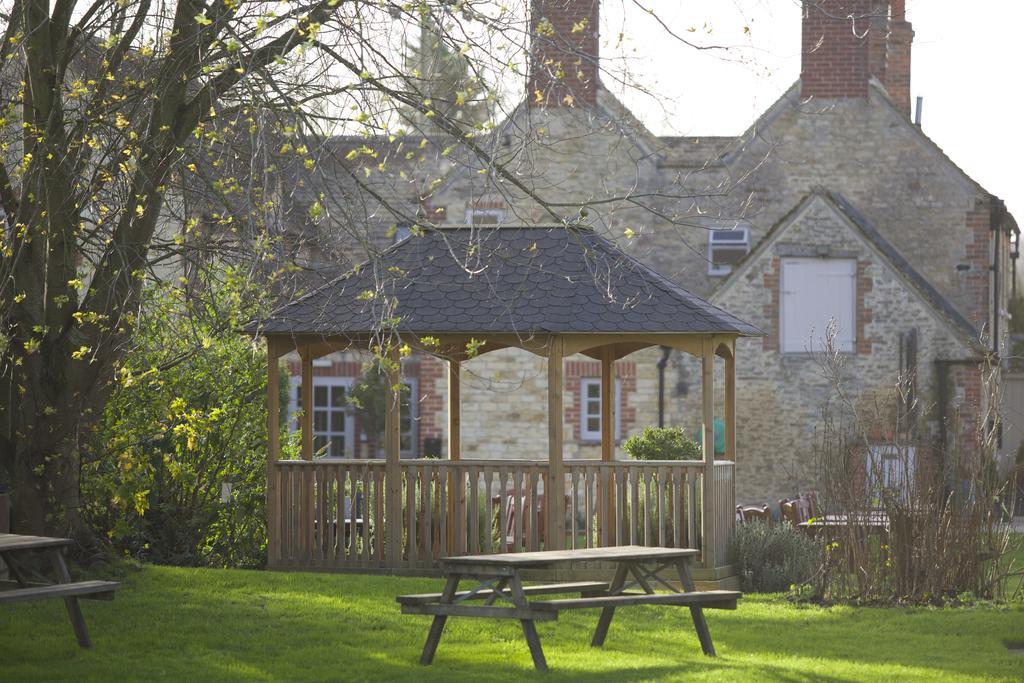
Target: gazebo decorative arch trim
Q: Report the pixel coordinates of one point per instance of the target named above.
(552, 291)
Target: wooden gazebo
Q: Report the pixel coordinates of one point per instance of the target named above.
(455, 292)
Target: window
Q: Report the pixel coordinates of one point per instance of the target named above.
(590, 409)
(334, 433)
(890, 471)
(333, 425)
(485, 216)
(813, 291)
(726, 248)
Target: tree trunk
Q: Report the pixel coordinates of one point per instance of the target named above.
(56, 406)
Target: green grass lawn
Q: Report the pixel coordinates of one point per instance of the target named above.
(220, 625)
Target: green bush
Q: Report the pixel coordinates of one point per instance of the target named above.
(771, 559)
(662, 443)
(186, 417)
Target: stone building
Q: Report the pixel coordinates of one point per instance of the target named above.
(833, 205)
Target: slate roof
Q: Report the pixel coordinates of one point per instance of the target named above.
(514, 279)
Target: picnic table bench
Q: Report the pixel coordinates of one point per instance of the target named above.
(22, 590)
(499, 578)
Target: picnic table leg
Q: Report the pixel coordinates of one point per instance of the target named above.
(15, 571)
(529, 628)
(696, 611)
(437, 626)
(60, 569)
(608, 612)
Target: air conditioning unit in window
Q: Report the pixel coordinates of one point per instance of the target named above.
(726, 248)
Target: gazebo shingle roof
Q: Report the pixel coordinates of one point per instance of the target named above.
(524, 280)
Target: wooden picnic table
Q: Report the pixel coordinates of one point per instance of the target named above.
(498, 577)
(13, 546)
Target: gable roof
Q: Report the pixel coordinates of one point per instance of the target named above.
(514, 279)
(940, 304)
(791, 99)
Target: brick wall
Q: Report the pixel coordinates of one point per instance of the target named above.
(770, 281)
(433, 376)
(976, 279)
(563, 53)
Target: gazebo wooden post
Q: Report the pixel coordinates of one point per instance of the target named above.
(730, 407)
(273, 450)
(392, 453)
(455, 503)
(606, 525)
(708, 447)
(454, 410)
(555, 484)
(730, 422)
(306, 427)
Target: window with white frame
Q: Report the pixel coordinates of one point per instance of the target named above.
(891, 470)
(726, 248)
(334, 433)
(813, 291)
(333, 423)
(485, 216)
(590, 409)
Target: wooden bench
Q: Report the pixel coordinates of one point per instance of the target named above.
(93, 590)
(707, 599)
(22, 590)
(582, 587)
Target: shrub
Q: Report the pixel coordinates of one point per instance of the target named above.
(947, 535)
(662, 443)
(186, 418)
(771, 559)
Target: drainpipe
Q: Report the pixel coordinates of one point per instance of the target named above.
(665, 353)
(997, 229)
(1014, 255)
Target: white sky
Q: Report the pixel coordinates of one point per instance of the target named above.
(966, 63)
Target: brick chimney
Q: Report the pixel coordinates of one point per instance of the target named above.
(897, 70)
(563, 53)
(845, 42)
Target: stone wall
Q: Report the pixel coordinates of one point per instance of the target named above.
(781, 395)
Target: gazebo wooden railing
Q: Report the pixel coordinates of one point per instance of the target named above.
(562, 291)
(331, 512)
